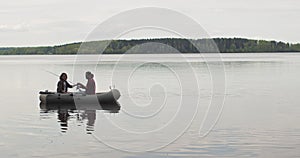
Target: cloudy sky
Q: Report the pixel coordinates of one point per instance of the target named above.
(53, 22)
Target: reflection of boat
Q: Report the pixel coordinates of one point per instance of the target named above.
(111, 107)
(79, 98)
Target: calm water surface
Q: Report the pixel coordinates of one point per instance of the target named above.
(260, 116)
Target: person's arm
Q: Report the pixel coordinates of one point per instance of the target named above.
(69, 86)
(81, 85)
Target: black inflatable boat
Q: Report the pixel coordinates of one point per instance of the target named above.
(79, 99)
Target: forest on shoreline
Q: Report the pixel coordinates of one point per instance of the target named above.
(162, 45)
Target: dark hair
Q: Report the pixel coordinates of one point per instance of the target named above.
(62, 74)
(89, 74)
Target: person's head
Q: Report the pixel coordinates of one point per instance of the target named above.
(89, 75)
(63, 76)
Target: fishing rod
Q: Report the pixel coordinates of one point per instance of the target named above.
(57, 75)
(77, 87)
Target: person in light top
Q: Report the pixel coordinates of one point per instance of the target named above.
(90, 87)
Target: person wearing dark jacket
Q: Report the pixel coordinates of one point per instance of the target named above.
(63, 85)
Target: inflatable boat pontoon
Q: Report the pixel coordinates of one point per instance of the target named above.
(78, 98)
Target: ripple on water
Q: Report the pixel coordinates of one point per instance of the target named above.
(245, 143)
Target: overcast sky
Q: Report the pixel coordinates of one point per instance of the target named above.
(53, 22)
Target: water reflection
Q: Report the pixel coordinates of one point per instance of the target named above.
(63, 117)
(90, 115)
(68, 112)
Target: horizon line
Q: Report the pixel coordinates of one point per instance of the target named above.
(144, 38)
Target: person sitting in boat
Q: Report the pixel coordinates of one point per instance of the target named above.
(63, 84)
(90, 87)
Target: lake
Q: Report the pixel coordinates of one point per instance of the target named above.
(234, 105)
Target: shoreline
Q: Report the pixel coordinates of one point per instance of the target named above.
(160, 46)
(296, 52)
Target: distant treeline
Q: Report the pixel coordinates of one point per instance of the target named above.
(164, 45)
